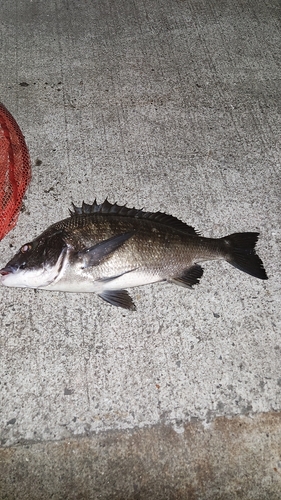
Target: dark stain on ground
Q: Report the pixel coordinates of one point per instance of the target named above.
(230, 458)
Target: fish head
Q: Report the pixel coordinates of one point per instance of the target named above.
(37, 263)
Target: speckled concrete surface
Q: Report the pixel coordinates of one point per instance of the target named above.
(171, 106)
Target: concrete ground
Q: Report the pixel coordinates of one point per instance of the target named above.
(170, 105)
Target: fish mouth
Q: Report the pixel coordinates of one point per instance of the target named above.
(7, 270)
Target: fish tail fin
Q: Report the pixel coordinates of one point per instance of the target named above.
(240, 253)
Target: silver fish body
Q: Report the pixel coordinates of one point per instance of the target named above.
(107, 248)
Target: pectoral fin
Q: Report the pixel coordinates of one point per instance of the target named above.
(119, 298)
(94, 255)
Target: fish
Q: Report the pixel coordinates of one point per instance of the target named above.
(106, 248)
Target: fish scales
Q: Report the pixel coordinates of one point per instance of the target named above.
(107, 248)
(154, 246)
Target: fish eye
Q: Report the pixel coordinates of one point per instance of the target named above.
(25, 248)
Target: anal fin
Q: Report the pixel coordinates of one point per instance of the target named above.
(189, 277)
(119, 298)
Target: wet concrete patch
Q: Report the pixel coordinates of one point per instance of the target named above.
(230, 458)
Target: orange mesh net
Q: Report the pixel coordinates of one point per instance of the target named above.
(15, 170)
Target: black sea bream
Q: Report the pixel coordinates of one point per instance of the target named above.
(107, 248)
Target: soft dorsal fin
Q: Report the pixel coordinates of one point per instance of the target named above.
(107, 208)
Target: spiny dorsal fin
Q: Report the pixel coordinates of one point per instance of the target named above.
(107, 208)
